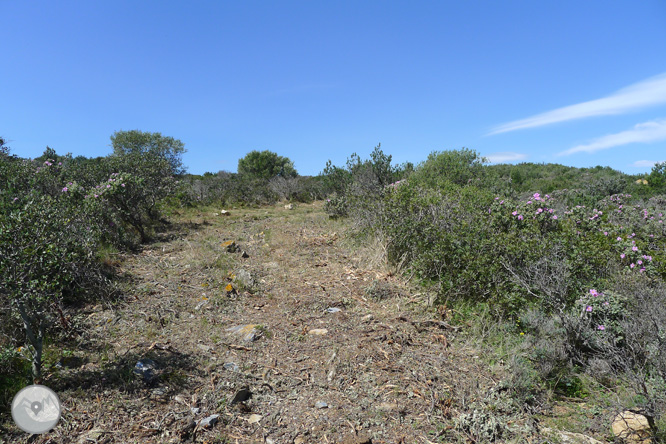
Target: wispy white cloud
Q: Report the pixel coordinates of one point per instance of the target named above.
(643, 94)
(645, 163)
(506, 156)
(647, 132)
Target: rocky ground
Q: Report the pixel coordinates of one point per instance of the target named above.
(264, 326)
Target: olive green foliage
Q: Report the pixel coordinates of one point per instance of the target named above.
(227, 188)
(360, 185)
(265, 165)
(460, 167)
(137, 143)
(127, 187)
(576, 267)
(56, 213)
(657, 177)
(263, 178)
(47, 248)
(584, 185)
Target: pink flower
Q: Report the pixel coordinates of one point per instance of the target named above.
(520, 217)
(593, 292)
(601, 327)
(540, 210)
(634, 248)
(622, 255)
(514, 213)
(96, 195)
(15, 199)
(605, 233)
(122, 184)
(639, 262)
(632, 265)
(64, 190)
(642, 270)
(619, 238)
(536, 196)
(529, 201)
(108, 186)
(606, 303)
(588, 308)
(555, 217)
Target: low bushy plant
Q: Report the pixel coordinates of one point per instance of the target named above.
(47, 252)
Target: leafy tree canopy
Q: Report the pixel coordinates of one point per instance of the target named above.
(137, 142)
(265, 165)
(657, 177)
(455, 166)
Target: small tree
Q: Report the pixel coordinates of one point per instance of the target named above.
(45, 248)
(265, 165)
(137, 142)
(455, 166)
(657, 178)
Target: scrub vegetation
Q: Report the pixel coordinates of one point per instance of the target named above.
(555, 276)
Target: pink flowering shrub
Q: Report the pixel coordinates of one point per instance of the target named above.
(602, 311)
(127, 204)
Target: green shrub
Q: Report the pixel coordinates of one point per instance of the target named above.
(46, 253)
(460, 167)
(265, 165)
(358, 189)
(137, 144)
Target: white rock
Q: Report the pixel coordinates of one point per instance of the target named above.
(632, 428)
(569, 437)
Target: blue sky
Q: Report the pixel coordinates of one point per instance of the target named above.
(571, 82)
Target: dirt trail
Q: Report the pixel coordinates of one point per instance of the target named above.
(382, 370)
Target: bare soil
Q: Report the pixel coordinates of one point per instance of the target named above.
(384, 368)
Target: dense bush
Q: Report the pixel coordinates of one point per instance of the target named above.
(224, 188)
(265, 165)
(576, 268)
(460, 167)
(358, 188)
(135, 144)
(56, 214)
(47, 248)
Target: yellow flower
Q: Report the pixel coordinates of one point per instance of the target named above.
(522, 333)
